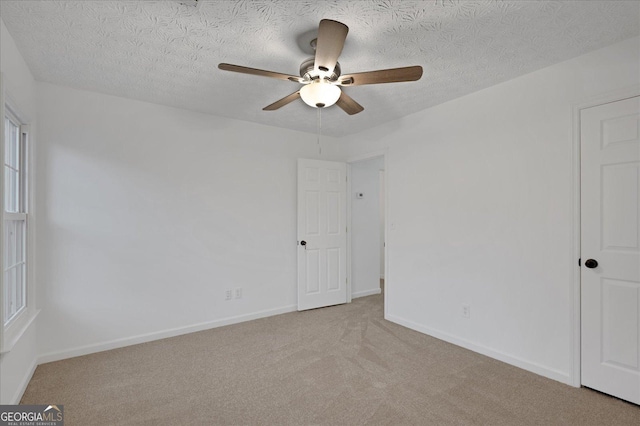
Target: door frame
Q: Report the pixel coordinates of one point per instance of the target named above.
(380, 153)
(576, 286)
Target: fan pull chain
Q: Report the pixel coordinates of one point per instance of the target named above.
(318, 129)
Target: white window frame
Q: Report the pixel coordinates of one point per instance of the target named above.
(11, 332)
(17, 215)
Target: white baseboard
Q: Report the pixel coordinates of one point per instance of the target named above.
(365, 293)
(143, 338)
(24, 383)
(500, 356)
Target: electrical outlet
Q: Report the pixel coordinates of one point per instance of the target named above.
(466, 311)
(239, 293)
(228, 294)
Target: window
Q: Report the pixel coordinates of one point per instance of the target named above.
(15, 220)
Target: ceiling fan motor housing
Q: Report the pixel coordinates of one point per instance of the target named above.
(307, 71)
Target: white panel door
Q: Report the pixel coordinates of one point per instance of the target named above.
(322, 233)
(610, 272)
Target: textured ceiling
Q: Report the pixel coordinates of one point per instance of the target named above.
(166, 52)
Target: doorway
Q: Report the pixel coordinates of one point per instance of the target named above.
(367, 227)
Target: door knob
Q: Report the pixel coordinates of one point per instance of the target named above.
(591, 263)
(303, 243)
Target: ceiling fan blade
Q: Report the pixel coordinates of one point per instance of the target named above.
(282, 102)
(255, 71)
(392, 75)
(331, 37)
(348, 104)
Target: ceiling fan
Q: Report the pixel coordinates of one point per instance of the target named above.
(321, 75)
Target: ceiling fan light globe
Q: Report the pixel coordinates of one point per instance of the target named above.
(320, 94)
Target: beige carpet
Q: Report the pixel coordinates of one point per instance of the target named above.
(343, 365)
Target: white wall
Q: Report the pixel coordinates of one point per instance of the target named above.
(365, 227)
(481, 211)
(17, 366)
(149, 213)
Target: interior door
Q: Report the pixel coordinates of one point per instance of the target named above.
(322, 233)
(610, 239)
